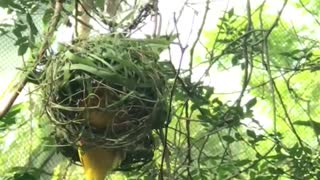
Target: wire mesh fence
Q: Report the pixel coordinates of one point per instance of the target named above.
(21, 145)
(9, 57)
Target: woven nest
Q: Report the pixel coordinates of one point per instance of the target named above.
(107, 91)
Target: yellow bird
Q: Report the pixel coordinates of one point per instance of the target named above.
(98, 161)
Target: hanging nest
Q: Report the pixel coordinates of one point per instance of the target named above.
(107, 91)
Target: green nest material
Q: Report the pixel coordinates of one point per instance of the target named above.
(112, 76)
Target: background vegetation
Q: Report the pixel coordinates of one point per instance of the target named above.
(243, 100)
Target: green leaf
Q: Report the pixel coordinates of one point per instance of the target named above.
(296, 150)
(209, 91)
(238, 136)
(16, 7)
(21, 40)
(252, 174)
(277, 171)
(243, 162)
(291, 53)
(74, 58)
(109, 76)
(100, 4)
(235, 60)
(47, 16)
(279, 157)
(24, 176)
(32, 27)
(251, 103)
(23, 49)
(66, 75)
(231, 12)
(312, 124)
(97, 58)
(24, 173)
(19, 28)
(5, 3)
(229, 139)
(251, 134)
(262, 177)
(34, 8)
(10, 118)
(307, 150)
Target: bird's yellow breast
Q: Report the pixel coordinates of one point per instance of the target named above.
(97, 162)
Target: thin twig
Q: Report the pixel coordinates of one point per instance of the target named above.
(248, 60)
(172, 92)
(198, 36)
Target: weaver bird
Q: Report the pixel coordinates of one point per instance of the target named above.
(97, 161)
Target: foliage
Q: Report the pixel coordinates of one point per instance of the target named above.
(11, 117)
(206, 136)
